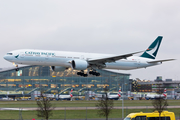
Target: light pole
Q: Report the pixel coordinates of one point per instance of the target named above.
(122, 103)
(123, 99)
(58, 93)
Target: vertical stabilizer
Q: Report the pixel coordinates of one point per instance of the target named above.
(152, 51)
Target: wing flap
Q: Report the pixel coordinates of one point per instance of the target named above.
(112, 59)
(156, 61)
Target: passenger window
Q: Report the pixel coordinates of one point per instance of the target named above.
(140, 118)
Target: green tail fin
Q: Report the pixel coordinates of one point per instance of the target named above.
(151, 52)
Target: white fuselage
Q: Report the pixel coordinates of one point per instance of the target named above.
(63, 97)
(154, 95)
(62, 58)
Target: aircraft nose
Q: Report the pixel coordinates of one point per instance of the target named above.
(5, 57)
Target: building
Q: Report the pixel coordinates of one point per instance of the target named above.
(151, 86)
(172, 86)
(35, 78)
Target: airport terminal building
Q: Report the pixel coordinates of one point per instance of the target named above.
(34, 78)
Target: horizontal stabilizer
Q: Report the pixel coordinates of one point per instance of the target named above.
(156, 61)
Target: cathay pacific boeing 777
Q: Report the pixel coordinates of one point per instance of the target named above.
(61, 60)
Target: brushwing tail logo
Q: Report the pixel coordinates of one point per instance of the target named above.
(165, 90)
(71, 93)
(152, 51)
(165, 95)
(119, 93)
(17, 56)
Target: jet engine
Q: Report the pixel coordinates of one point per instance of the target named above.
(57, 68)
(79, 64)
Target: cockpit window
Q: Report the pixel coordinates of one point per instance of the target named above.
(9, 53)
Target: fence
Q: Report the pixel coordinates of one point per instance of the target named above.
(89, 113)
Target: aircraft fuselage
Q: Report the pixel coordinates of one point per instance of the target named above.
(62, 58)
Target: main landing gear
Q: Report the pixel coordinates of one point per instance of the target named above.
(93, 72)
(82, 73)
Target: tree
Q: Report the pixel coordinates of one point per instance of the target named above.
(44, 107)
(104, 105)
(160, 102)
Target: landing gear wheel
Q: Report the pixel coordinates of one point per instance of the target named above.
(17, 69)
(97, 74)
(93, 72)
(90, 72)
(85, 75)
(82, 74)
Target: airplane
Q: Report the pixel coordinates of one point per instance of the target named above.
(6, 98)
(114, 95)
(110, 95)
(151, 96)
(65, 97)
(62, 60)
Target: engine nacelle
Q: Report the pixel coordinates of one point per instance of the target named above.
(79, 64)
(57, 68)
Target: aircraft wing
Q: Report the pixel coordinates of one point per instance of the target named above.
(111, 59)
(156, 61)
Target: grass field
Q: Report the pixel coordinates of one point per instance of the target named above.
(78, 114)
(75, 114)
(17, 104)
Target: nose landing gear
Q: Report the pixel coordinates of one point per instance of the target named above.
(17, 69)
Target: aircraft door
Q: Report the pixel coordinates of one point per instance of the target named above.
(138, 62)
(22, 55)
(46, 59)
(82, 57)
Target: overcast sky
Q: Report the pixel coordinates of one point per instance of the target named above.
(98, 26)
